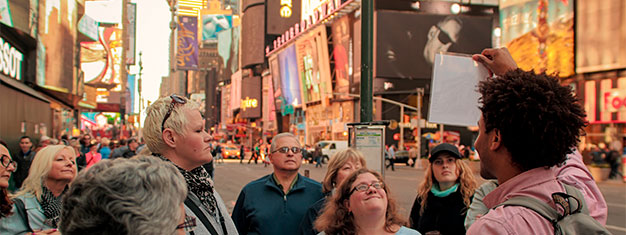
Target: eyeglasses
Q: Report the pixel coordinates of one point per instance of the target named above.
(6, 161)
(443, 37)
(188, 225)
(175, 100)
(286, 150)
(365, 187)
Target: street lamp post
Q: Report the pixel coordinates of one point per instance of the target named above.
(172, 4)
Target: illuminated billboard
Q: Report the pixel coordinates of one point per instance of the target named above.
(101, 61)
(539, 34)
(250, 105)
(282, 14)
(341, 52)
(313, 66)
(289, 78)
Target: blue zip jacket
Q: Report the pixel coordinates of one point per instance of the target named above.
(263, 208)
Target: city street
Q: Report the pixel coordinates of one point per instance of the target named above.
(231, 176)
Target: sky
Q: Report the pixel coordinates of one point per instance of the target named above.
(153, 33)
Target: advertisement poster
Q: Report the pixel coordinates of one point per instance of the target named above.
(407, 51)
(100, 61)
(228, 49)
(213, 24)
(290, 81)
(341, 53)
(313, 66)
(251, 97)
(187, 43)
(540, 34)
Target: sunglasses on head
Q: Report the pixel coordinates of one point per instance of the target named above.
(175, 100)
(443, 37)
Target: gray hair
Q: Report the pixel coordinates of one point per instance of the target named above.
(141, 195)
(282, 135)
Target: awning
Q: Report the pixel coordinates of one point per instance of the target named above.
(22, 87)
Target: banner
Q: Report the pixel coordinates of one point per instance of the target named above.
(341, 52)
(187, 43)
(290, 81)
(132, 28)
(101, 61)
(540, 34)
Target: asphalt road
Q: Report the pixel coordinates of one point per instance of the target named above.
(231, 176)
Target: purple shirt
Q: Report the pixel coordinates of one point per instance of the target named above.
(539, 183)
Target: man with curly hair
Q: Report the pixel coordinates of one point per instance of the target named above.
(529, 124)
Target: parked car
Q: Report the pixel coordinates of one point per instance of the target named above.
(402, 156)
(230, 151)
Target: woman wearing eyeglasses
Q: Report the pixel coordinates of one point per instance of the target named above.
(445, 194)
(141, 195)
(341, 165)
(7, 168)
(361, 206)
(38, 205)
(174, 131)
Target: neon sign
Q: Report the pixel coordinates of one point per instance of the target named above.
(249, 103)
(285, 8)
(10, 60)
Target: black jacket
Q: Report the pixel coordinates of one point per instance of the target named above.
(444, 214)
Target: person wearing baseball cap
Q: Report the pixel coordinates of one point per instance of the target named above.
(445, 193)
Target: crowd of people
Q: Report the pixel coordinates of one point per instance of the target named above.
(82, 186)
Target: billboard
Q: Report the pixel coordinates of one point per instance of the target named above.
(187, 43)
(5, 13)
(341, 52)
(600, 35)
(213, 24)
(289, 79)
(540, 34)
(407, 51)
(58, 36)
(313, 66)
(250, 105)
(101, 61)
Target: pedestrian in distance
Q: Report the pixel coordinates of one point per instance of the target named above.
(283, 195)
(445, 193)
(93, 156)
(340, 166)
(174, 132)
(391, 157)
(24, 158)
(37, 206)
(105, 150)
(141, 195)
(242, 154)
(362, 205)
(520, 137)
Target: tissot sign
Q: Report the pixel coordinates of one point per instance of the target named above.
(11, 60)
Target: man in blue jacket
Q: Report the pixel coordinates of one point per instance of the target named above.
(276, 203)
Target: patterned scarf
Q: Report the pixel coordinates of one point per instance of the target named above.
(199, 183)
(51, 206)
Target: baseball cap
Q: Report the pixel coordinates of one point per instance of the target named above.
(445, 147)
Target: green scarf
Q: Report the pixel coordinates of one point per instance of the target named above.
(435, 190)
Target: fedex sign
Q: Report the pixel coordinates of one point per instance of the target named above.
(614, 100)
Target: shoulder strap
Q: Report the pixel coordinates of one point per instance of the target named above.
(534, 204)
(21, 211)
(196, 210)
(573, 191)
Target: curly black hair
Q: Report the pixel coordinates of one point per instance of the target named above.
(539, 120)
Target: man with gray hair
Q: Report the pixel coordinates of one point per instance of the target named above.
(283, 196)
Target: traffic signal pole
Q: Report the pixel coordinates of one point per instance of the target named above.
(367, 47)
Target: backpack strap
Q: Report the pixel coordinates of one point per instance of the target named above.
(196, 210)
(534, 204)
(574, 192)
(20, 209)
